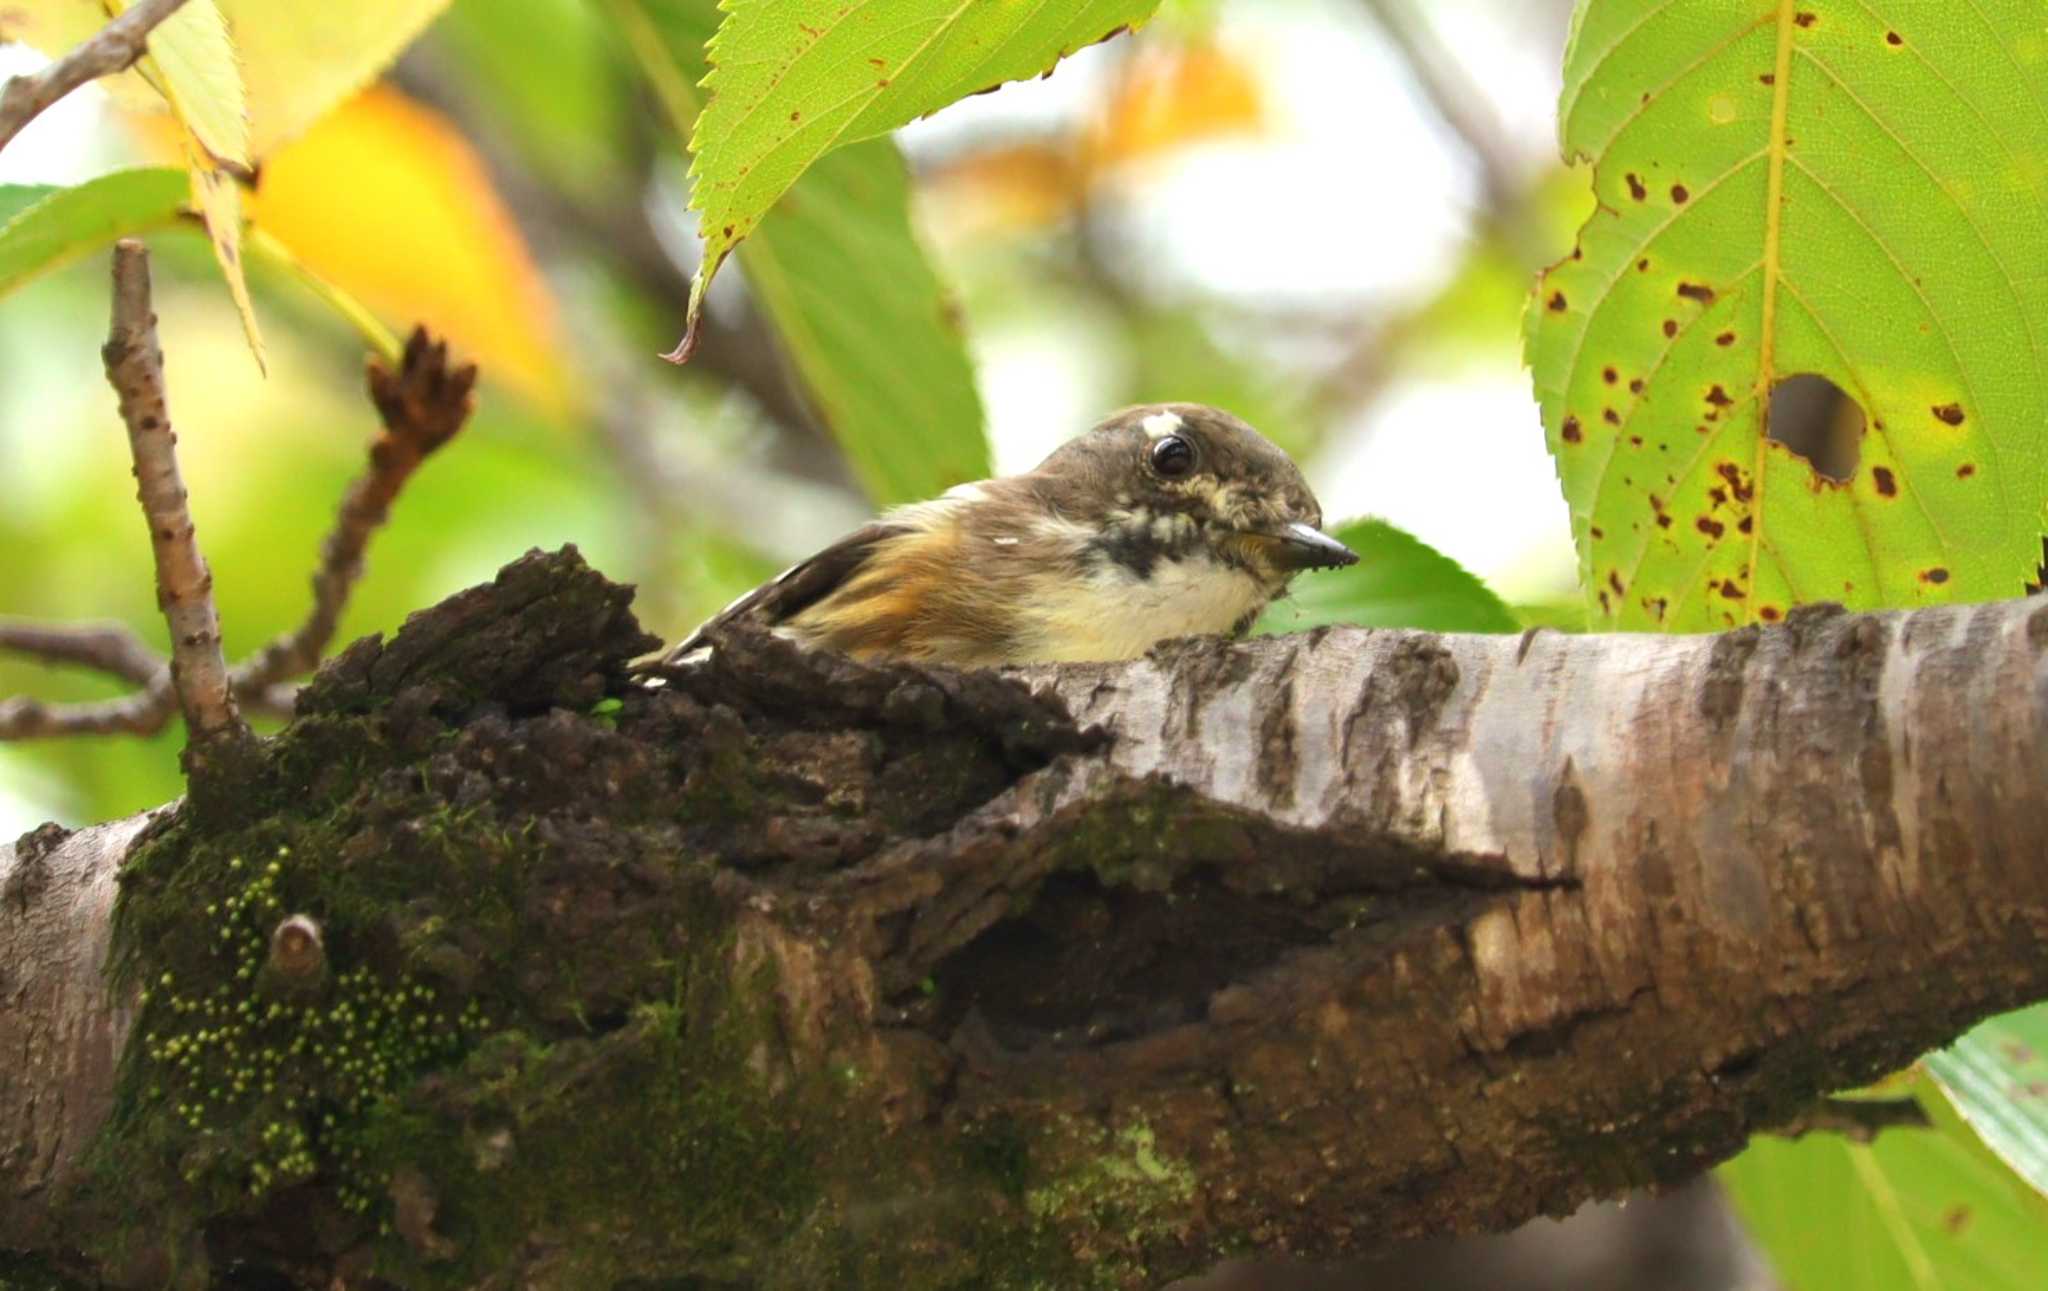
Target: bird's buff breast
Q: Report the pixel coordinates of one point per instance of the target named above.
(1112, 613)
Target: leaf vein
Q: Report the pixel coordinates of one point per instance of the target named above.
(1870, 410)
(1940, 326)
(2004, 272)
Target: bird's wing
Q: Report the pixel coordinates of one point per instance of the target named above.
(795, 589)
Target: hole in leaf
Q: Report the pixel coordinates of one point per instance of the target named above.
(1817, 419)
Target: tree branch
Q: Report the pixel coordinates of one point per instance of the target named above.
(423, 405)
(1305, 944)
(143, 713)
(135, 368)
(111, 648)
(1459, 104)
(114, 49)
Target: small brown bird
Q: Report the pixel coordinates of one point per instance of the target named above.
(1166, 520)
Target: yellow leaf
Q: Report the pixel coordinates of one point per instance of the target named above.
(1003, 188)
(297, 60)
(387, 201)
(50, 26)
(1173, 95)
(218, 199)
(192, 61)
(300, 60)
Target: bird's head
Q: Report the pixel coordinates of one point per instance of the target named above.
(1175, 480)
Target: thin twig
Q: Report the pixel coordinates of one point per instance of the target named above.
(111, 648)
(1505, 188)
(142, 713)
(184, 586)
(113, 49)
(423, 405)
(1456, 101)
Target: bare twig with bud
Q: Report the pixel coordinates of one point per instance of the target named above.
(184, 585)
(423, 404)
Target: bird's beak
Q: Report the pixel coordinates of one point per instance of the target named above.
(1300, 546)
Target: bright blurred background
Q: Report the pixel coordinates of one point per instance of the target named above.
(1322, 214)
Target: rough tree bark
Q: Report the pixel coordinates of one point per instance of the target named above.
(792, 972)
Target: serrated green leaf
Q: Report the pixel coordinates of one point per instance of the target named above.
(192, 61)
(793, 79)
(1399, 582)
(1997, 1076)
(868, 326)
(50, 226)
(1915, 1210)
(841, 276)
(1853, 190)
(193, 64)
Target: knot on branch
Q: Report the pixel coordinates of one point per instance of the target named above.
(548, 632)
(424, 403)
(297, 951)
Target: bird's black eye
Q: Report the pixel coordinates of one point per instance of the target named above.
(1173, 457)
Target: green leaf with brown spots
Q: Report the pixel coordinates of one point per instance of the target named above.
(1997, 1076)
(840, 273)
(1913, 1210)
(793, 79)
(1854, 190)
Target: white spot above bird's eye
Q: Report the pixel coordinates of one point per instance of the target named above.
(1007, 540)
(1161, 424)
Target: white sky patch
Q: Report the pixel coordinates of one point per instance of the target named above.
(1161, 424)
(1459, 462)
(1041, 383)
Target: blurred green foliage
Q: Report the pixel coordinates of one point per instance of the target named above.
(1912, 1210)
